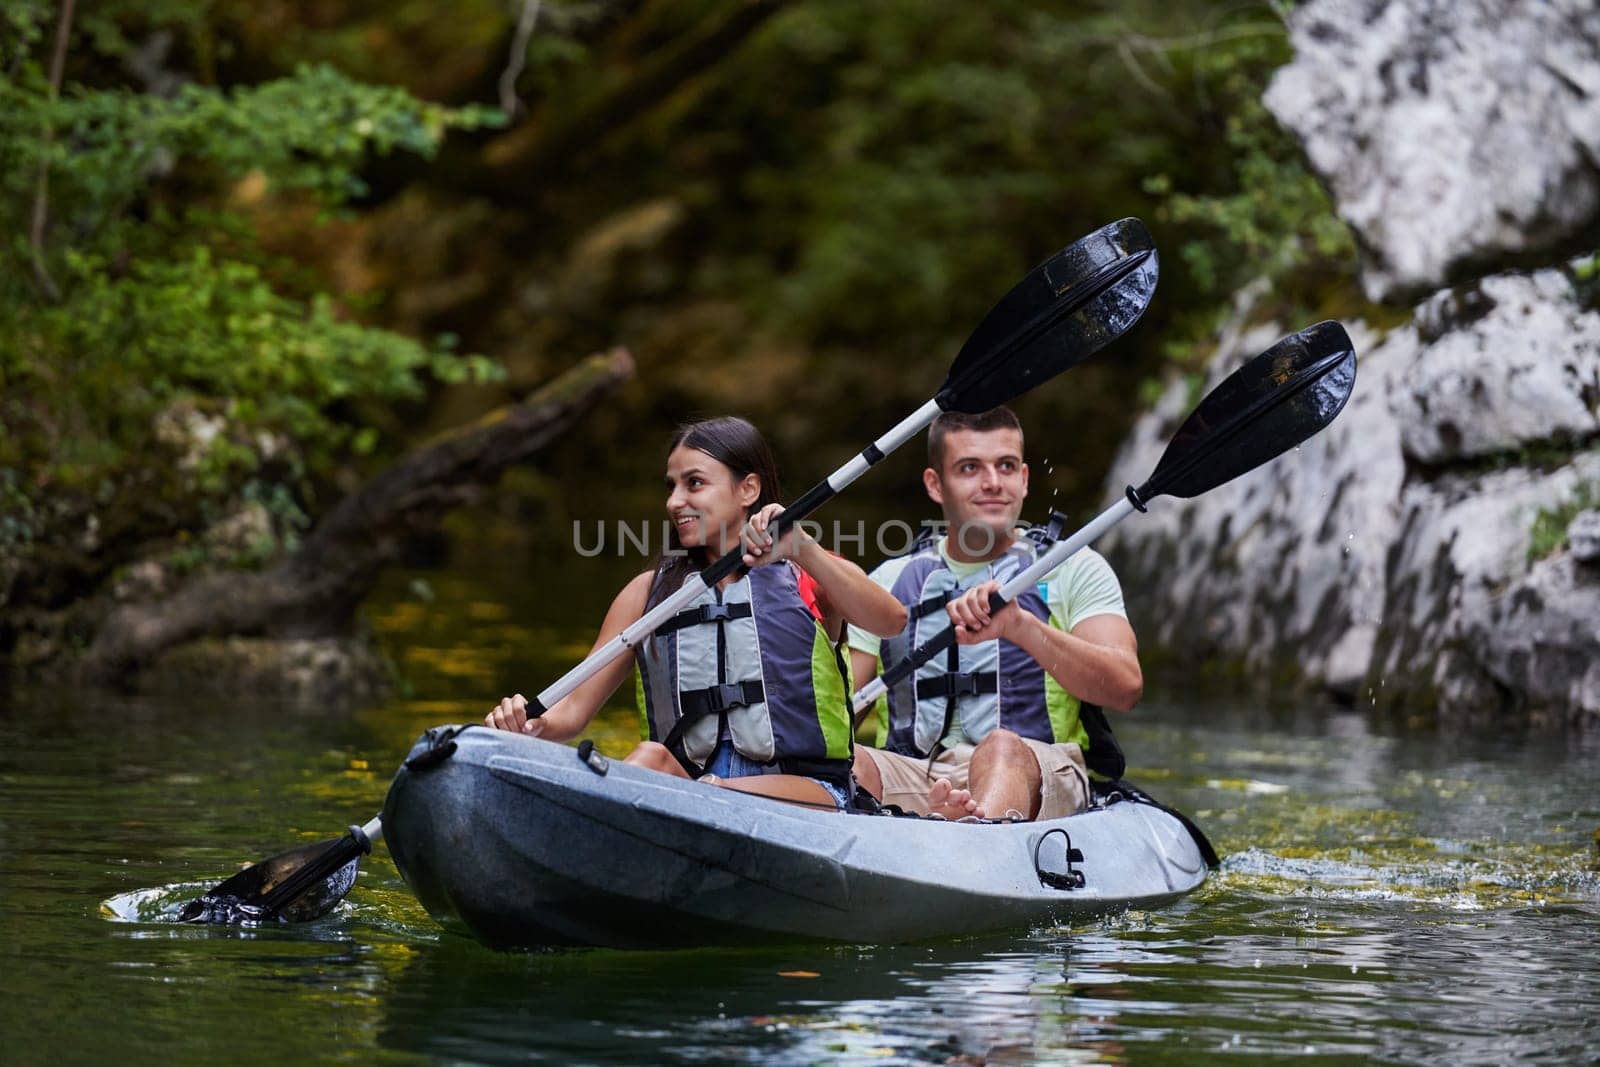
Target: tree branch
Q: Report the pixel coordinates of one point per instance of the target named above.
(316, 590)
(41, 193)
(540, 148)
(510, 103)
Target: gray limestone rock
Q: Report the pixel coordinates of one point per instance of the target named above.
(1254, 570)
(1469, 622)
(1390, 559)
(1348, 565)
(1583, 537)
(1453, 133)
(1508, 362)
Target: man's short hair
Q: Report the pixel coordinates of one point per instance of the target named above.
(1000, 418)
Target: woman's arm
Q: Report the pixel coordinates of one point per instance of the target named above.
(573, 712)
(847, 594)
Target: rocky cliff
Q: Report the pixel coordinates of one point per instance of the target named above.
(1436, 547)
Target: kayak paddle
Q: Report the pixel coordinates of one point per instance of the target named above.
(1263, 409)
(1064, 311)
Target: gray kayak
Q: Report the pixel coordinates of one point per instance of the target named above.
(525, 843)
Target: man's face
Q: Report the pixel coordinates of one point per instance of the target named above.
(981, 487)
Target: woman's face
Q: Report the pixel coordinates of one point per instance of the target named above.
(705, 502)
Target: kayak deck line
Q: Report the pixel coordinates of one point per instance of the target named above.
(519, 842)
(716, 845)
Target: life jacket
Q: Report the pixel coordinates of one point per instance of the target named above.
(751, 662)
(993, 684)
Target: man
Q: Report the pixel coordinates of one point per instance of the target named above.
(998, 726)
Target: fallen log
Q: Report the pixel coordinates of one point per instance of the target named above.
(314, 591)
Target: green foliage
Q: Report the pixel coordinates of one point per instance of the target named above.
(912, 158)
(1280, 218)
(922, 153)
(17, 519)
(147, 327)
(1272, 220)
(1585, 272)
(111, 148)
(1548, 534)
(215, 333)
(850, 188)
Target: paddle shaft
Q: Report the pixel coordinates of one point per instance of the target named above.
(1059, 554)
(692, 588)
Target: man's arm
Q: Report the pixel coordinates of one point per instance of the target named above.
(1097, 662)
(863, 666)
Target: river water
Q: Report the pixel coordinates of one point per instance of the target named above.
(1389, 893)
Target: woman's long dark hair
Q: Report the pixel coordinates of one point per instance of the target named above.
(739, 446)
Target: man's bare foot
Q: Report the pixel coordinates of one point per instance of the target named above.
(951, 803)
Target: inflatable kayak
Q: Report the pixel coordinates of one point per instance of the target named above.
(527, 843)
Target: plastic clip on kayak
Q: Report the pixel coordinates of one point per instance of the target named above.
(596, 762)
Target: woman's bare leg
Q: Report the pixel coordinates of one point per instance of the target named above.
(655, 756)
(790, 787)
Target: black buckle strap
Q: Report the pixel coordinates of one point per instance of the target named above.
(1044, 537)
(957, 685)
(932, 604)
(716, 699)
(713, 700)
(705, 613)
(1104, 755)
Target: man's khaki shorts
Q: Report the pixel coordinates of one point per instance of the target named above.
(1063, 776)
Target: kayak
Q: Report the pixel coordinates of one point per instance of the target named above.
(524, 843)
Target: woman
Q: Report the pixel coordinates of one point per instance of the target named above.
(746, 688)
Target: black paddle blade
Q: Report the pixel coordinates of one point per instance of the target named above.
(1260, 411)
(1066, 309)
(295, 886)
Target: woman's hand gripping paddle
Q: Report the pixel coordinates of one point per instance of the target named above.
(1066, 309)
(1263, 409)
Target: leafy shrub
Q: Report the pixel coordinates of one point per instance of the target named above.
(144, 321)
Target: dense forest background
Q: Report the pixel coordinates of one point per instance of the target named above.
(255, 250)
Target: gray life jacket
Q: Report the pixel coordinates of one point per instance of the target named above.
(751, 662)
(990, 685)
